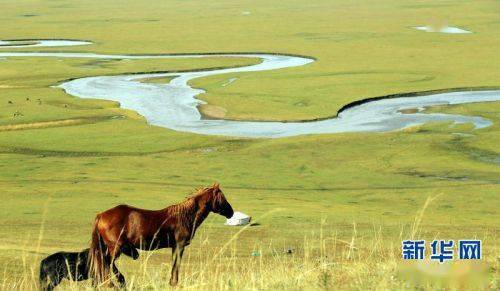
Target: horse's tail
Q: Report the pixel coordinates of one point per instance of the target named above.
(97, 259)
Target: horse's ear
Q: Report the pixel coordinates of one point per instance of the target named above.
(215, 186)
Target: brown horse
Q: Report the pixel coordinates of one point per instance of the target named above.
(124, 229)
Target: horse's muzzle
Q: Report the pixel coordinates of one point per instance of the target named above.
(229, 213)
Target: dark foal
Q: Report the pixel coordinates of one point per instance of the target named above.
(69, 265)
(63, 265)
(172, 227)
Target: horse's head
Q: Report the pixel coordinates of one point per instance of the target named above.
(219, 203)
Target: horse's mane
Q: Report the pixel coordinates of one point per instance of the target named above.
(187, 206)
(199, 192)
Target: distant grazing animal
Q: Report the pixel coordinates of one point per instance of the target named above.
(63, 265)
(127, 227)
(10, 102)
(18, 113)
(27, 99)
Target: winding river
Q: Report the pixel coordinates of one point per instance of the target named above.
(174, 105)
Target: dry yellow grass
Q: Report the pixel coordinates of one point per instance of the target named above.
(9, 87)
(322, 262)
(212, 111)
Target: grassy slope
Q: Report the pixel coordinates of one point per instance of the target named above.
(363, 50)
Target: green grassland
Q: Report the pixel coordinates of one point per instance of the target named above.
(65, 159)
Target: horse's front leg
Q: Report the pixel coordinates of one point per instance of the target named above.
(114, 254)
(119, 277)
(177, 253)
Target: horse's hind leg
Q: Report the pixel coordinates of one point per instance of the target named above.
(52, 283)
(46, 285)
(47, 281)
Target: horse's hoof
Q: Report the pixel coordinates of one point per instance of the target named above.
(120, 287)
(173, 283)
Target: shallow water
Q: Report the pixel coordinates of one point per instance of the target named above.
(445, 29)
(229, 82)
(41, 43)
(174, 105)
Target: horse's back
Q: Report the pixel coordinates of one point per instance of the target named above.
(117, 209)
(134, 224)
(124, 209)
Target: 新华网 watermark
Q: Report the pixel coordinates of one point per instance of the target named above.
(441, 250)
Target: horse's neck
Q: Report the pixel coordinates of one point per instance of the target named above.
(189, 213)
(200, 216)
